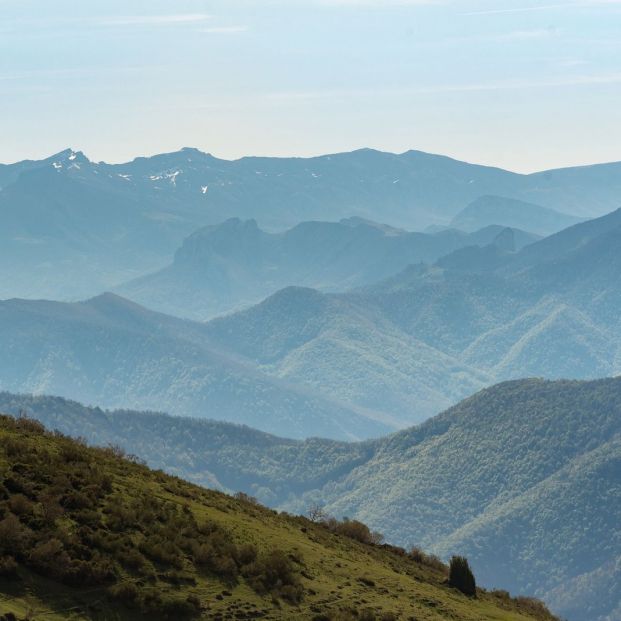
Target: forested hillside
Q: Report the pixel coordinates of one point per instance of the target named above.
(115, 353)
(523, 477)
(348, 365)
(89, 534)
(548, 310)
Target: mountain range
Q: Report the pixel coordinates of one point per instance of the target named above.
(513, 213)
(260, 299)
(344, 365)
(349, 374)
(548, 310)
(230, 266)
(113, 352)
(521, 477)
(73, 227)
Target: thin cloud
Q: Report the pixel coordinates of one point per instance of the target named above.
(500, 85)
(225, 30)
(155, 20)
(546, 7)
(523, 35)
(521, 9)
(507, 37)
(578, 80)
(379, 3)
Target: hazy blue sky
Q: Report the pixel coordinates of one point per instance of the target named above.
(520, 84)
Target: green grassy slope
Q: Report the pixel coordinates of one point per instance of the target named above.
(211, 453)
(88, 534)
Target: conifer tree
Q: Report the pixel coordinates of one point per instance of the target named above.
(461, 576)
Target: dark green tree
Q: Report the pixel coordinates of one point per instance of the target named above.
(461, 576)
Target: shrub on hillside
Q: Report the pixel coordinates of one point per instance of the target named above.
(246, 554)
(461, 576)
(8, 568)
(354, 530)
(529, 605)
(246, 498)
(169, 607)
(274, 573)
(25, 423)
(62, 517)
(429, 560)
(218, 555)
(126, 593)
(14, 537)
(533, 607)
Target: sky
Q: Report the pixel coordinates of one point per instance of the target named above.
(522, 84)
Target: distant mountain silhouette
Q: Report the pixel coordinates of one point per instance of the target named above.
(235, 264)
(510, 212)
(113, 352)
(72, 227)
(359, 363)
(550, 309)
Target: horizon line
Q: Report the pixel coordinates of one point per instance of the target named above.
(309, 157)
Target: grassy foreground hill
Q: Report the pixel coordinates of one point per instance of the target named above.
(87, 533)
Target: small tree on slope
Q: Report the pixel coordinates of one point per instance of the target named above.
(461, 576)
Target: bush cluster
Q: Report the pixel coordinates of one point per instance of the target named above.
(274, 573)
(428, 560)
(62, 516)
(528, 605)
(353, 529)
(354, 614)
(154, 604)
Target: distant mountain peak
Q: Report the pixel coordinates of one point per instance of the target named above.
(511, 212)
(505, 239)
(194, 150)
(68, 159)
(294, 297)
(356, 221)
(108, 300)
(192, 153)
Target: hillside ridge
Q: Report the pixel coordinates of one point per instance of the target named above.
(95, 534)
